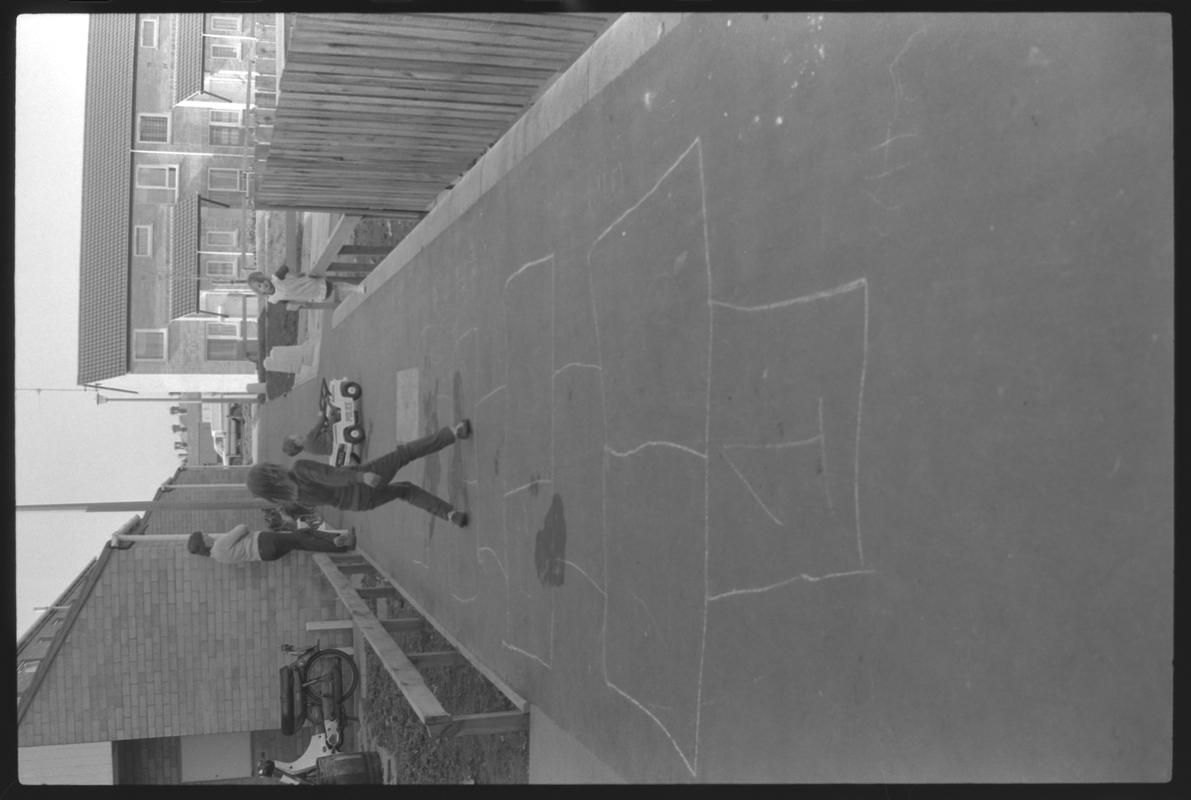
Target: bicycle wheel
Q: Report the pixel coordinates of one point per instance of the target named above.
(320, 664)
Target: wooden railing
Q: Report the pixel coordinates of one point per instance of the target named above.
(379, 113)
(405, 668)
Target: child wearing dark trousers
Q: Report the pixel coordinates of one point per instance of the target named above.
(360, 487)
(241, 544)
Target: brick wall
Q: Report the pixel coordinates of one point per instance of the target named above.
(171, 644)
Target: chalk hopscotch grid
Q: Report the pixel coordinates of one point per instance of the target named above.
(690, 760)
(548, 660)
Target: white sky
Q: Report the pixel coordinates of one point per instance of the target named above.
(68, 449)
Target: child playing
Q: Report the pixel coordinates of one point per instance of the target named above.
(242, 545)
(298, 290)
(362, 487)
(319, 441)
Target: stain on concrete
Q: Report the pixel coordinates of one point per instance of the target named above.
(550, 545)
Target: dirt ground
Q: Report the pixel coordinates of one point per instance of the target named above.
(408, 754)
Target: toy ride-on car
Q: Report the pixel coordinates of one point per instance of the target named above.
(343, 395)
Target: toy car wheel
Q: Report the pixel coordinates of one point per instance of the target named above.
(351, 389)
(354, 434)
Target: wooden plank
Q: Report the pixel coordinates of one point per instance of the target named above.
(437, 658)
(340, 235)
(349, 38)
(404, 674)
(511, 694)
(536, 21)
(328, 624)
(378, 591)
(509, 36)
(365, 250)
(405, 625)
(488, 722)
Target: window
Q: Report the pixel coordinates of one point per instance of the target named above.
(148, 345)
(225, 24)
(28, 665)
(142, 240)
(149, 32)
(153, 128)
(225, 116)
(225, 127)
(225, 85)
(226, 50)
(232, 304)
(223, 342)
(221, 238)
(220, 269)
(225, 135)
(160, 183)
(156, 177)
(221, 179)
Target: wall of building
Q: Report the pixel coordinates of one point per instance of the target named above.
(172, 644)
(81, 764)
(191, 152)
(149, 761)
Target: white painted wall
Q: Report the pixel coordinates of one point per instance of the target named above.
(160, 383)
(89, 763)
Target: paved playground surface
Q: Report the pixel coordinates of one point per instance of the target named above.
(820, 434)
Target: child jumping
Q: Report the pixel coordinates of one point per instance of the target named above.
(361, 487)
(298, 290)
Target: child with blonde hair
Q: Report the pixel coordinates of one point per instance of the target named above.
(298, 290)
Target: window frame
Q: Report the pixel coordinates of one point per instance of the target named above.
(148, 231)
(237, 19)
(165, 344)
(147, 23)
(251, 299)
(234, 46)
(212, 171)
(169, 125)
(231, 273)
(210, 238)
(232, 333)
(214, 124)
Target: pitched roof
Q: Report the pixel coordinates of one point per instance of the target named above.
(107, 164)
(188, 58)
(161, 643)
(184, 284)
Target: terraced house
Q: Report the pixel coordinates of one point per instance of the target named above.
(158, 667)
(172, 101)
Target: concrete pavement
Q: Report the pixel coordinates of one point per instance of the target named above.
(815, 414)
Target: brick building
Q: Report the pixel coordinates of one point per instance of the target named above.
(168, 232)
(163, 668)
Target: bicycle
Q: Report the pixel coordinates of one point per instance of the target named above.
(313, 688)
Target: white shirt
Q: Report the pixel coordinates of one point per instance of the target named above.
(236, 546)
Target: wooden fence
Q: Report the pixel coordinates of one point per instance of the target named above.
(379, 113)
